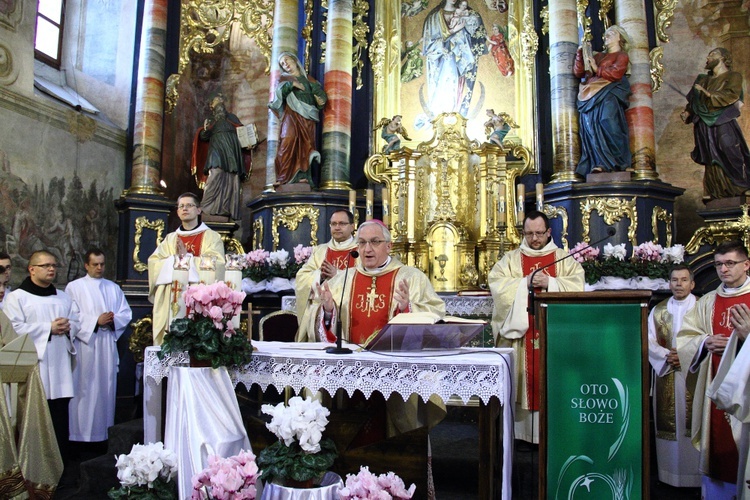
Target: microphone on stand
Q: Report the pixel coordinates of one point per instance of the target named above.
(530, 308)
(339, 349)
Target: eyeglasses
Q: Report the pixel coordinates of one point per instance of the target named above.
(729, 263)
(372, 243)
(339, 224)
(531, 234)
(45, 266)
(4, 268)
(186, 205)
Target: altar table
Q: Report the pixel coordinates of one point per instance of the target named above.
(466, 372)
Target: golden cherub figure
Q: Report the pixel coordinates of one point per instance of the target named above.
(389, 128)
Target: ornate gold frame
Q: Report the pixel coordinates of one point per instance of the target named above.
(611, 210)
(721, 231)
(258, 231)
(141, 223)
(553, 212)
(290, 217)
(661, 214)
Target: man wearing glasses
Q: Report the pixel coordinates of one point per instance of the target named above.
(326, 260)
(512, 325)
(193, 237)
(51, 319)
(701, 343)
(5, 263)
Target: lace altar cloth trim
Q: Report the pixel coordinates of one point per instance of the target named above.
(477, 372)
(454, 305)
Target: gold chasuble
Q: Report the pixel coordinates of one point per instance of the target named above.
(665, 418)
(338, 254)
(711, 427)
(368, 302)
(531, 338)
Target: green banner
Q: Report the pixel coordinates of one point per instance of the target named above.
(594, 394)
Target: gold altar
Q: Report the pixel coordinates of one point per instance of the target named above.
(445, 201)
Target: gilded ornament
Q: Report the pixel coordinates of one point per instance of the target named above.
(544, 16)
(232, 245)
(664, 14)
(717, 232)
(171, 94)
(553, 212)
(611, 210)
(307, 32)
(141, 337)
(377, 53)
(142, 223)
(529, 40)
(290, 217)
(584, 22)
(258, 234)
(359, 31)
(660, 214)
(605, 6)
(656, 68)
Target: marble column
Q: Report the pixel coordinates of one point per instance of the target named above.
(563, 41)
(149, 101)
(631, 16)
(285, 36)
(337, 116)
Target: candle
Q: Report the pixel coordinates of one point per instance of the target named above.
(386, 205)
(368, 204)
(352, 201)
(501, 205)
(207, 276)
(520, 198)
(540, 196)
(233, 279)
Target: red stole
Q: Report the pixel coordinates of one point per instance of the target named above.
(341, 259)
(193, 243)
(531, 339)
(723, 458)
(370, 304)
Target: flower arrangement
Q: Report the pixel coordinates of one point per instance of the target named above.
(230, 478)
(146, 473)
(207, 333)
(263, 265)
(301, 454)
(648, 260)
(366, 485)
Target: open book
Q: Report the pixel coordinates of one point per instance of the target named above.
(428, 318)
(424, 331)
(247, 135)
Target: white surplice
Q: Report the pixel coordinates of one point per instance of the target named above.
(92, 410)
(677, 459)
(33, 315)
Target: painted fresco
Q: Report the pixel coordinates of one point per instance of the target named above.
(455, 58)
(62, 216)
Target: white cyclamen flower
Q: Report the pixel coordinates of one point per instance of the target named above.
(615, 251)
(674, 254)
(279, 257)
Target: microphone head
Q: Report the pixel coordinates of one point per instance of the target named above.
(611, 231)
(354, 253)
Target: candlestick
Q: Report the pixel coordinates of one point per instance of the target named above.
(520, 198)
(386, 206)
(540, 196)
(501, 205)
(352, 201)
(368, 204)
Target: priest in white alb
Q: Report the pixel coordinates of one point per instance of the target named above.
(512, 324)
(105, 315)
(51, 319)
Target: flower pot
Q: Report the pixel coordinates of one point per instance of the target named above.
(291, 483)
(199, 363)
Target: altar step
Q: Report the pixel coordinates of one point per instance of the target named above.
(92, 478)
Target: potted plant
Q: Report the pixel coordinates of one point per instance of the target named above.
(207, 333)
(146, 473)
(231, 478)
(301, 455)
(365, 485)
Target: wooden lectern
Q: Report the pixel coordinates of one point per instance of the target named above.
(594, 425)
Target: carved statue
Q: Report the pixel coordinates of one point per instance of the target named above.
(713, 108)
(498, 126)
(224, 164)
(298, 101)
(389, 128)
(602, 101)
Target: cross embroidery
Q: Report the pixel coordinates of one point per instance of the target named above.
(371, 296)
(176, 289)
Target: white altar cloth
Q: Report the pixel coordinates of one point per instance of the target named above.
(203, 418)
(466, 372)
